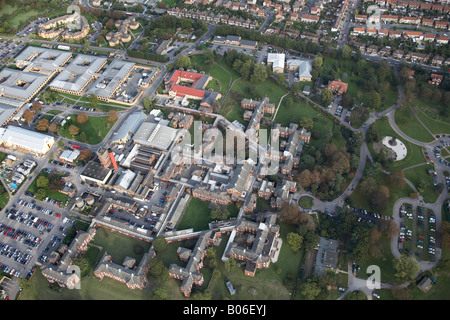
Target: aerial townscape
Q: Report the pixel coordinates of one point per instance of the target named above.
(224, 150)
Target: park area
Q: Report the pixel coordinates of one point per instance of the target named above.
(91, 131)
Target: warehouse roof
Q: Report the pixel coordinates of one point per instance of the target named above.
(155, 135)
(131, 125)
(26, 139)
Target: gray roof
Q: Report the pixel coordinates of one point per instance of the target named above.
(79, 72)
(110, 79)
(130, 125)
(155, 135)
(42, 58)
(16, 87)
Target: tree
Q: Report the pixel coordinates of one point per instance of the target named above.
(53, 127)
(346, 52)
(375, 100)
(259, 74)
(379, 200)
(85, 154)
(182, 62)
(93, 100)
(113, 116)
(82, 118)
(160, 244)
(295, 241)
(327, 97)
(36, 106)
(218, 214)
(396, 179)
(307, 123)
(42, 182)
(230, 264)
(407, 268)
(310, 289)
(42, 125)
(28, 115)
(73, 130)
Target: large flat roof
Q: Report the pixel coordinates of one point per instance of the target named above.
(42, 58)
(96, 172)
(26, 139)
(131, 125)
(155, 135)
(78, 72)
(17, 86)
(110, 79)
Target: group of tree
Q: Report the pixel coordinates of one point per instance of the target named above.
(247, 67)
(372, 80)
(324, 170)
(305, 235)
(165, 27)
(303, 45)
(415, 85)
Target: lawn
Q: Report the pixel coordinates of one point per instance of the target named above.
(52, 194)
(414, 153)
(120, 246)
(420, 178)
(91, 132)
(197, 215)
(231, 107)
(429, 115)
(301, 108)
(410, 125)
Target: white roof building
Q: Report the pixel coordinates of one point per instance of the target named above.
(155, 135)
(304, 67)
(277, 61)
(26, 139)
(69, 155)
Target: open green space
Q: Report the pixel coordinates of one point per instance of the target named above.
(91, 132)
(410, 125)
(414, 153)
(423, 182)
(197, 215)
(428, 112)
(50, 192)
(231, 107)
(293, 113)
(120, 246)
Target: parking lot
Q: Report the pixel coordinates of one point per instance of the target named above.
(29, 230)
(418, 235)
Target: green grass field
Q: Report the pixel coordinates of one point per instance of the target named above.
(414, 153)
(408, 123)
(91, 132)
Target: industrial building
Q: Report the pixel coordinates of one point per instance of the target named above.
(32, 141)
(129, 127)
(155, 135)
(95, 172)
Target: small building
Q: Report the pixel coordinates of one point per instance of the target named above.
(95, 172)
